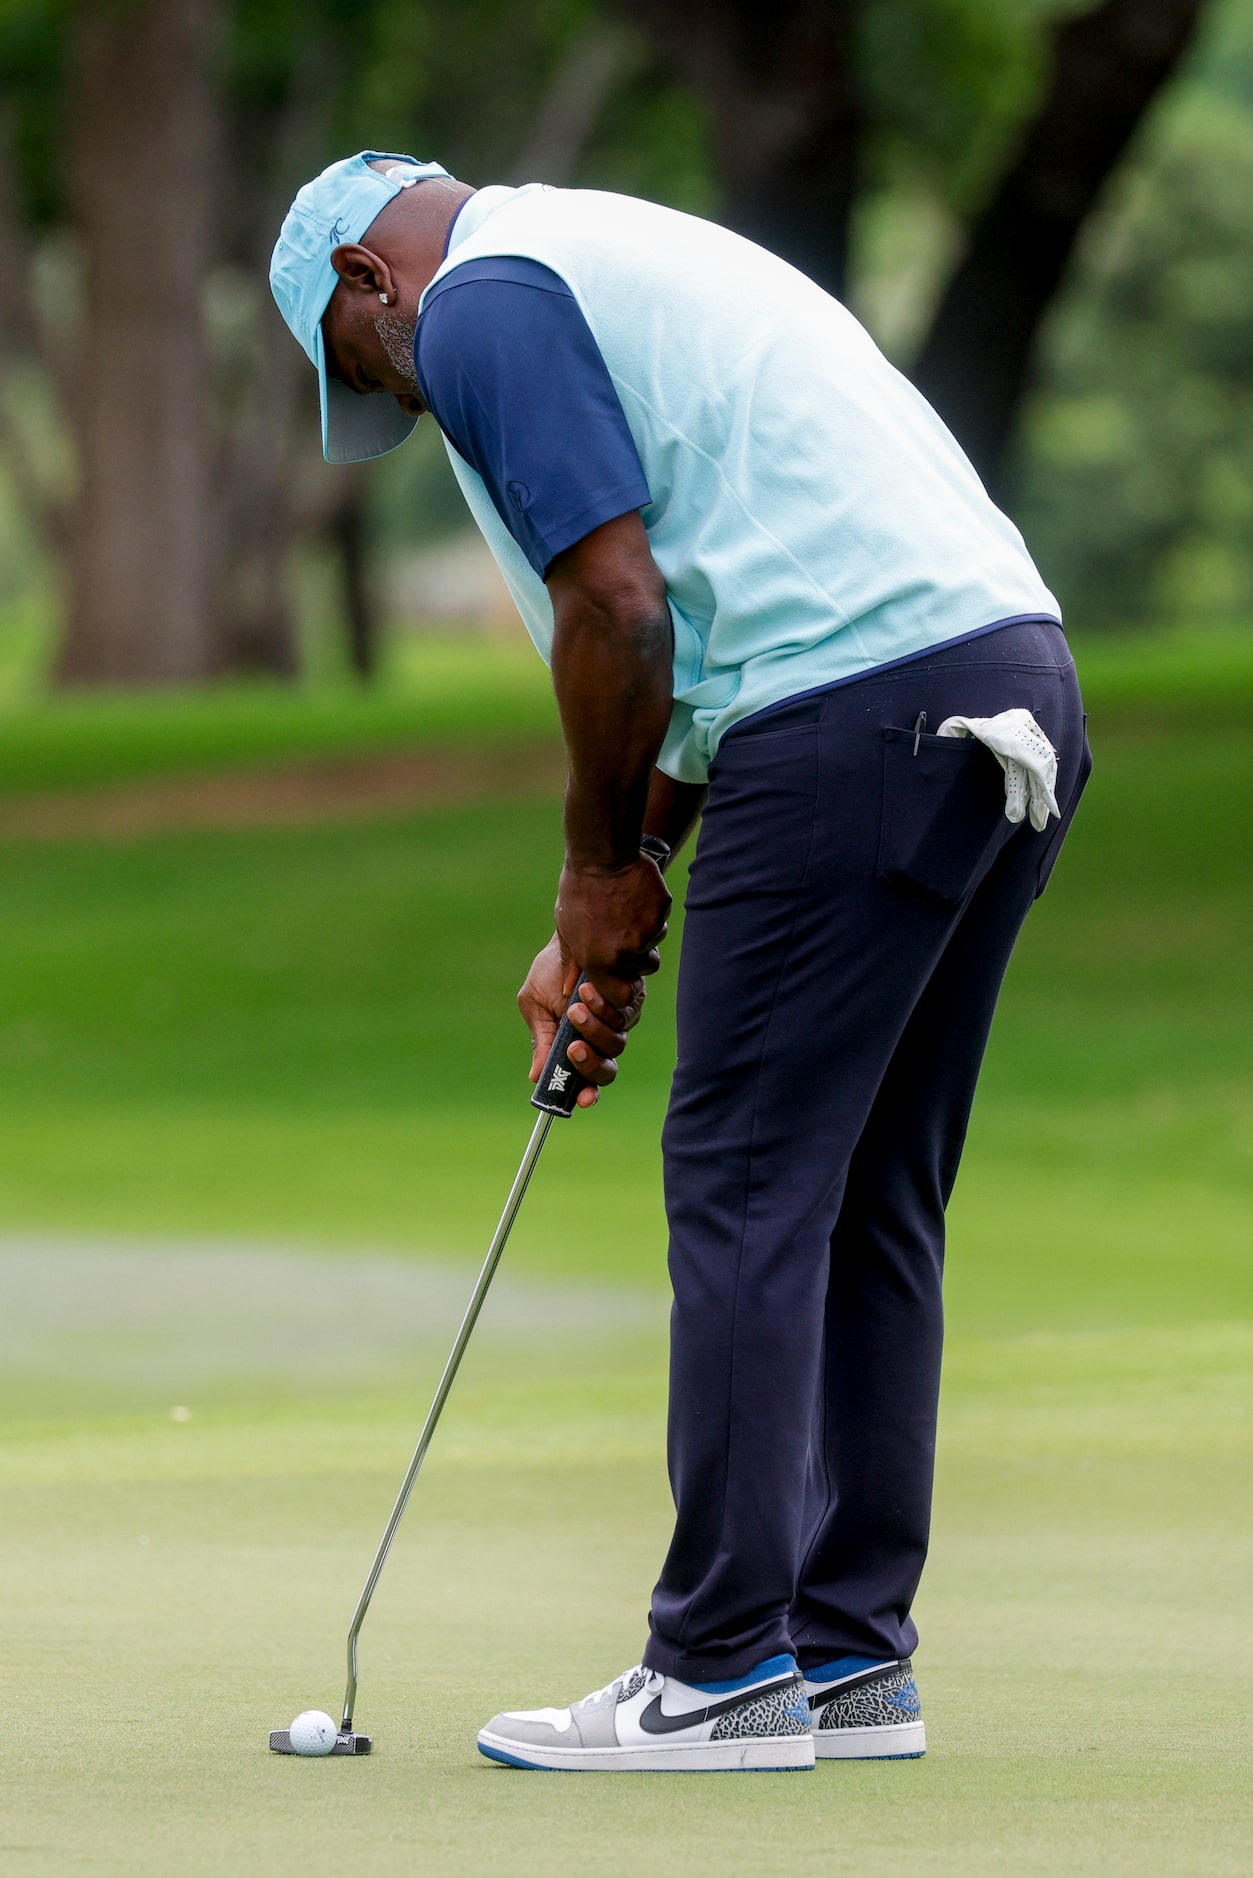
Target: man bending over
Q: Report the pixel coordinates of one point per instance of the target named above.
(771, 589)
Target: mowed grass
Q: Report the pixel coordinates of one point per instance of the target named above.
(308, 1036)
(173, 1591)
(309, 1033)
(439, 690)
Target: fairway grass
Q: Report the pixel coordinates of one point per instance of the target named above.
(492, 689)
(288, 1058)
(309, 1035)
(174, 1590)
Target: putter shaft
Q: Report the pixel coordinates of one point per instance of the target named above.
(539, 1135)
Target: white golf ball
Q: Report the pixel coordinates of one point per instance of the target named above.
(313, 1732)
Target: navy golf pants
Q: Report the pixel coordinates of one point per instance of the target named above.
(854, 900)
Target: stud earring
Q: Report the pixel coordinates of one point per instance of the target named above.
(383, 298)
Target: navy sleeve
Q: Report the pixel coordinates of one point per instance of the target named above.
(508, 366)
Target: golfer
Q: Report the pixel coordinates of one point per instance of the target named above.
(774, 595)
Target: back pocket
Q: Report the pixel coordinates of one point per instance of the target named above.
(1058, 833)
(943, 818)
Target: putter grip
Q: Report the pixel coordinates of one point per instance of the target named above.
(557, 1091)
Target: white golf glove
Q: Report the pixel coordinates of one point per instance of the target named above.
(1023, 752)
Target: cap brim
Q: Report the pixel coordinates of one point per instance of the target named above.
(356, 427)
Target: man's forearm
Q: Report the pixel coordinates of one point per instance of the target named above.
(613, 689)
(611, 660)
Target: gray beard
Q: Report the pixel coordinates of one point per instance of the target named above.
(396, 334)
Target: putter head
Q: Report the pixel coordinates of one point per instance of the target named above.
(280, 1743)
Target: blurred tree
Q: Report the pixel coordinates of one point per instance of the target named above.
(285, 71)
(148, 150)
(785, 116)
(451, 69)
(796, 90)
(110, 179)
(1106, 67)
(143, 142)
(122, 162)
(1137, 465)
(37, 343)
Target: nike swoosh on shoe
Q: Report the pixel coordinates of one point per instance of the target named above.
(856, 1681)
(654, 1720)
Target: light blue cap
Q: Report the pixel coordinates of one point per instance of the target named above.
(336, 207)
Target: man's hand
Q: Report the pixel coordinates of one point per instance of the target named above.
(611, 921)
(542, 1002)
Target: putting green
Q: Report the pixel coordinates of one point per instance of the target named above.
(175, 1589)
(304, 1035)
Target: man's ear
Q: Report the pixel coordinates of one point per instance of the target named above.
(362, 271)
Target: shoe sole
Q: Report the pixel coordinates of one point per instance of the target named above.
(770, 1754)
(895, 1741)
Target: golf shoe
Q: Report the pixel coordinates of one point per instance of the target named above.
(865, 1710)
(651, 1723)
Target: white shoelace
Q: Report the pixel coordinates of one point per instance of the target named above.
(619, 1682)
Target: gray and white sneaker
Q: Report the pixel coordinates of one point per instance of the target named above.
(865, 1710)
(650, 1723)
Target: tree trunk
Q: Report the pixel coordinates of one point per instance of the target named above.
(349, 529)
(143, 140)
(593, 65)
(1107, 67)
(255, 624)
(781, 86)
(269, 495)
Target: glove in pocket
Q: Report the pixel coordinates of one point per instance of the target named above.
(943, 817)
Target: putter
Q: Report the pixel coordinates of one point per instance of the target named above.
(556, 1094)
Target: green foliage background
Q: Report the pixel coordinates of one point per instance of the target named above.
(1134, 482)
(1137, 463)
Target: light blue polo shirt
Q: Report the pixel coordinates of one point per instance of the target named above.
(812, 517)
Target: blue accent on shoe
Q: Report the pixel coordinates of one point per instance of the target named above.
(847, 1666)
(906, 1699)
(769, 1671)
(512, 1760)
(533, 1767)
